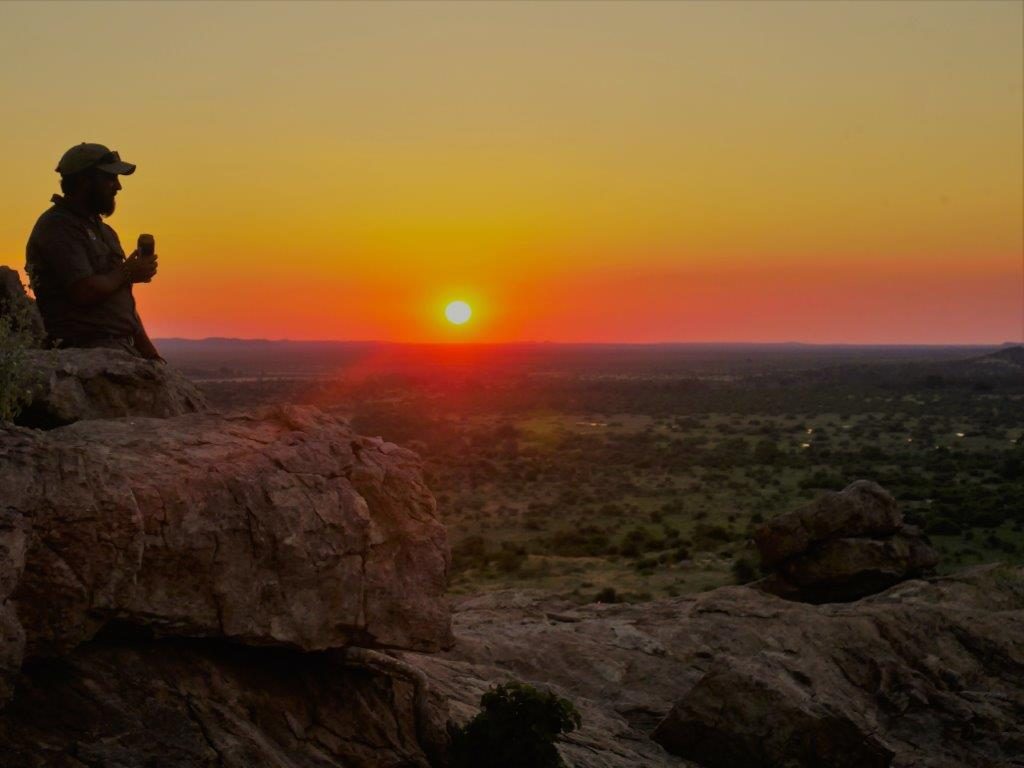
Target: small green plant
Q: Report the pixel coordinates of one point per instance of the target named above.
(18, 334)
(516, 728)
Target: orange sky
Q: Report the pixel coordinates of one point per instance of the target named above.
(819, 172)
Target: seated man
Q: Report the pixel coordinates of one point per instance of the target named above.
(75, 263)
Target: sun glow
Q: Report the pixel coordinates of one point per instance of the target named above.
(458, 312)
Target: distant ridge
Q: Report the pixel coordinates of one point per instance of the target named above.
(1013, 355)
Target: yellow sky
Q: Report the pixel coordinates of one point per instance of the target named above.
(339, 170)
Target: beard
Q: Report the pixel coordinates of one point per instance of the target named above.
(102, 202)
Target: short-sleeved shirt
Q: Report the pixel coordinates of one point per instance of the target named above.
(64, 247)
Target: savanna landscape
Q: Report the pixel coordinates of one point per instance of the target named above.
(606, 473)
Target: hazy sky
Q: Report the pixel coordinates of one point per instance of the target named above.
(823, 172)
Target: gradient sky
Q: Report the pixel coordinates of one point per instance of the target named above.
(721, 171)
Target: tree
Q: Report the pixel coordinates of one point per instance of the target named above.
(516, 728)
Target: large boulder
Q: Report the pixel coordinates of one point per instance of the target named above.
(841, 547)
(772, 719)
(279, 527)
(863, 508)
(69, 385)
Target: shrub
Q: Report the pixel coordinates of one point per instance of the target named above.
(18, 334)
(516, 728)
(744, 571)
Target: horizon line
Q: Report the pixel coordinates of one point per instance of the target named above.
(381, 342)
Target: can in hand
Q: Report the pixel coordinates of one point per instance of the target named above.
(147, 245)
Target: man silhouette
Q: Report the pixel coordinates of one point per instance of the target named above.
(76, 266)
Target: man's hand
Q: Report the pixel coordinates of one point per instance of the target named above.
(140, 269)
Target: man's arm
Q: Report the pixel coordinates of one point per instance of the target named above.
(94, 288)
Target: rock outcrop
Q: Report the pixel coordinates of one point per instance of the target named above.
(194, 591)
(272, 528)
(928, 674)
(70, 385)
(841, 547)
(120, 703)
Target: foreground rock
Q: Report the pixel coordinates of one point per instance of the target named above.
(929, 672)
(280, 527)
(13, 543)
(69, 385)
(841, 547)
(189, 704)
(206, 590)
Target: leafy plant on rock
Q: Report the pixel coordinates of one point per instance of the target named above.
(516, 728)
(18, 334)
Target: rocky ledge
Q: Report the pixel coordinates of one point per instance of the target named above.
(216, 589)
(928, 674)
(70, 385)
(266, 589)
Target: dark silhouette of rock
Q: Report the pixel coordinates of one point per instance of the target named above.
(188, 704)
(74, 384)
(841, 547)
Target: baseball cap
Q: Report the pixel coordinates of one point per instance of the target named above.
(83, 156)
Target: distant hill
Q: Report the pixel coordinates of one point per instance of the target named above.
(1012, 356)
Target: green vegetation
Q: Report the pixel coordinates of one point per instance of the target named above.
(516, 728)
(630, 486)
(18, 334)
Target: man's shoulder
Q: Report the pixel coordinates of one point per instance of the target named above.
(56, 219)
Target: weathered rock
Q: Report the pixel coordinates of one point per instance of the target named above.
(13, 543)
(14, 300)
(846, 569)
(191, 704)
(74, 384)
(863, 508)
(841, 547)
(932, 671)
(771, 719)
(280, 527)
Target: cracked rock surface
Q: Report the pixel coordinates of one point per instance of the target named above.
(69, 385)
(279, 527)
(181, 592)
(928, 674)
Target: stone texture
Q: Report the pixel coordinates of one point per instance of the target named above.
(279, 527)
(929, 670)
(863, 508)
(845, 569)
(74, 384)
(771, 719)
(841, 547)
(13, 543)
(121, 703)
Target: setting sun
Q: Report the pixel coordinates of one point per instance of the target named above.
(458, 312)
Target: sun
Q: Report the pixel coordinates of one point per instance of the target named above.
(458, 312)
